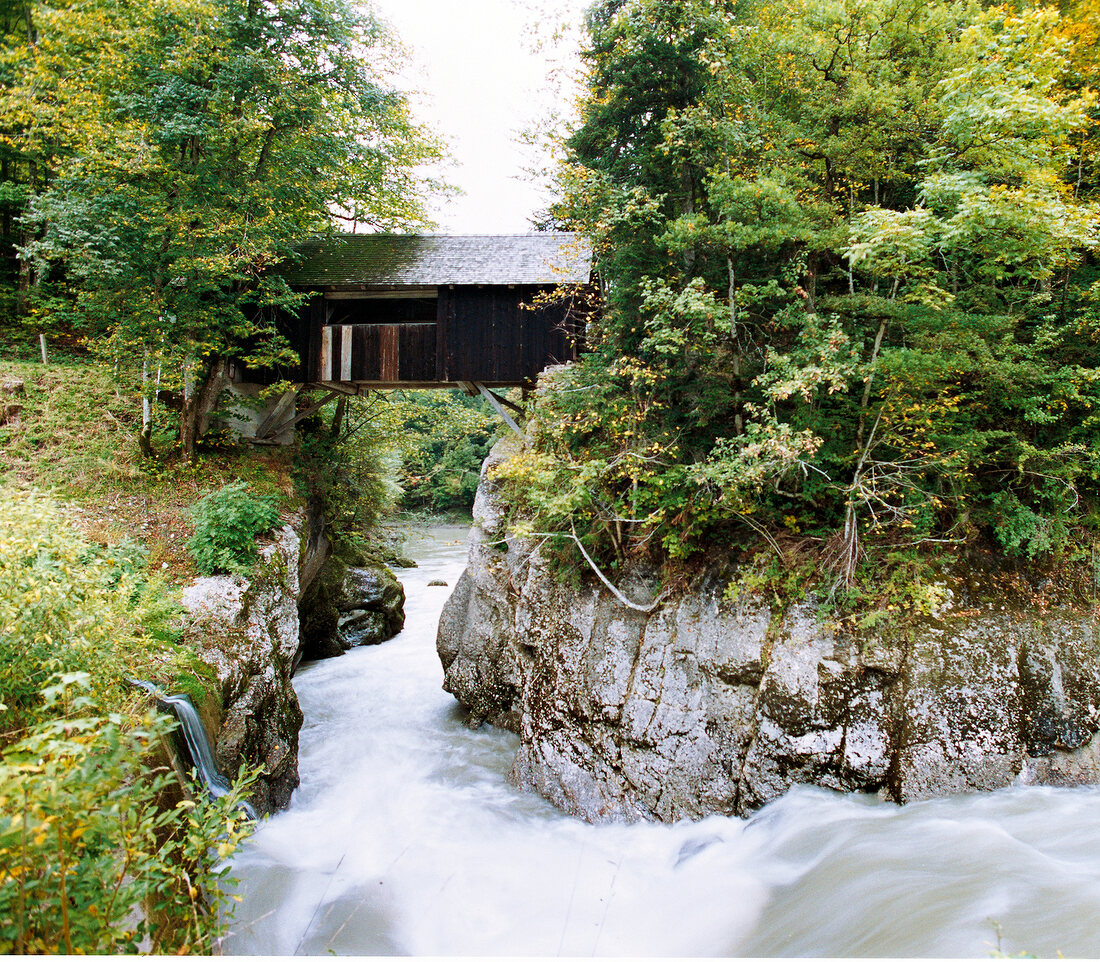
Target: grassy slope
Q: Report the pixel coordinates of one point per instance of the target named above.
(76, 441)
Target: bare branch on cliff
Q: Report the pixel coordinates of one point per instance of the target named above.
(619, 596)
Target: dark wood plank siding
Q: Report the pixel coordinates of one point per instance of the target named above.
(315, 310)
(486, 335)
(386, 353)
(389, 352)
(493, 335)
(443, 319)
(418, 352)
(479, 333)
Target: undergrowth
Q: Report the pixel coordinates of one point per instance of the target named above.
(101, 849)
(77, 437)
(898, 586)
(227, 523)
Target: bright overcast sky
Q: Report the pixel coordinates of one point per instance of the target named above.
(476, 80)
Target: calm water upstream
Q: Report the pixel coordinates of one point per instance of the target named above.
(406, 839)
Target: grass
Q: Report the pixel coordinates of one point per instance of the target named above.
(77, 438)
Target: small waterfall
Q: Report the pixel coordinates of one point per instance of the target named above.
(196, 742)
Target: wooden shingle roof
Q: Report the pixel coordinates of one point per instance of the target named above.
(551, 257)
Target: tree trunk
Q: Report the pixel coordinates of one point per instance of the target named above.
(145, 438)
(200, 404)
(25, 274)
(738, 418)
(338, 417)
(851, 548)
(809, 286)
(687, 208)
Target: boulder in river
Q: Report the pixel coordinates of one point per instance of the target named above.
(704, 706)
(351, 606)
(373, 590)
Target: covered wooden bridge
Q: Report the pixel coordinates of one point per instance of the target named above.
(477, 312)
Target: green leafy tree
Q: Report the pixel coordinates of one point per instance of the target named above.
(445, 436)
(23, 167)
(227, 522)
(198, 142)
(869, 320)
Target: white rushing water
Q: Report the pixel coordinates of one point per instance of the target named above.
(405, 838)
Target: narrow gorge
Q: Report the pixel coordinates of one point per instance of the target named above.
(707, 706)
(253, 632)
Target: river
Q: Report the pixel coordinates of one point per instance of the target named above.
(405, 838)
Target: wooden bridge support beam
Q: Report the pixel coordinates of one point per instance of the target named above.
(498, 404)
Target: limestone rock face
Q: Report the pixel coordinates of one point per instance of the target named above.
(702, 706)
(247, 632)
(481, 664)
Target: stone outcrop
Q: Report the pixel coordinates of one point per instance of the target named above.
(246, 630)
(349, 607)
(12, 392)
(704, 706)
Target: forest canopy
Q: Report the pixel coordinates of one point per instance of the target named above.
(848, 252)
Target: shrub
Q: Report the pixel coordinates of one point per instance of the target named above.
(86, 838)
(88, 830)
(67, 606)
(226, 525)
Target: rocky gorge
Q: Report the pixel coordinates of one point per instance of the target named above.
(702, 705)
(252, 633)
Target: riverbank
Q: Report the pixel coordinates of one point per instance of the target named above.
(98, 586)
(651, 701)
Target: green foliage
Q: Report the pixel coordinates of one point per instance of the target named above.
(174, 173)
(444, 437)
(85, 839)
(227, 522)
(850, 259)
(67, 606)
(95, 852)
(339, 464)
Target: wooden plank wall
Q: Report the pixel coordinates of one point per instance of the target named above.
(377, 352)
(481, 334)
(489, 336)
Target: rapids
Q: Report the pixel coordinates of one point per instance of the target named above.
(405, 838)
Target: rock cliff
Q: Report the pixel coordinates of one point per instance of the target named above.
(701, 706)
(246, 630)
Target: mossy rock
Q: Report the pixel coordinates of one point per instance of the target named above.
(338, 592)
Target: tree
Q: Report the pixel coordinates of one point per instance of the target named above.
(200, 141)
(22, 168)
(871, 321)
(444, 437)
